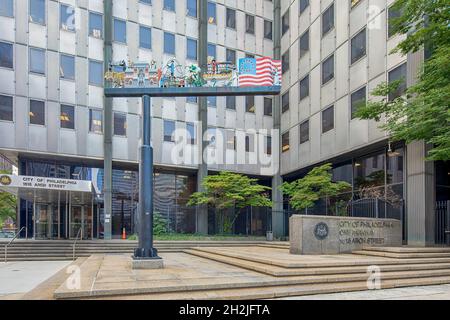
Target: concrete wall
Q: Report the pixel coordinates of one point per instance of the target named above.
(18, 82)
(370, 70)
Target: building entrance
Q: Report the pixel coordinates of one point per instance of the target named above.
(55, 208)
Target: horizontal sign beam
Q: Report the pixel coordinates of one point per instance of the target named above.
(192, 91)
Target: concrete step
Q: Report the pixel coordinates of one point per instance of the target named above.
(149, 287)
(395, 255)
(280, 291)
(407, 249)
(294, 264)
(331, 270)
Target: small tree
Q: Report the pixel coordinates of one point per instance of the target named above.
(8, 204)
(303, 193)
(228, 190)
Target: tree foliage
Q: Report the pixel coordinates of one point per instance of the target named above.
(227, 192)
(423, 112)
(303, 193)
(8, 203)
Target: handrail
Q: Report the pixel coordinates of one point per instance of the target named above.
(9, 243)
(75, 243)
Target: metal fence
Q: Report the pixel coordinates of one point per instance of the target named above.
(442, 218)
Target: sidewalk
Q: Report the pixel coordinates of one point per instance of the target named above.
(17, 278)
(438, 292)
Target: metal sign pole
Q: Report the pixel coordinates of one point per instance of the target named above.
(145, 249)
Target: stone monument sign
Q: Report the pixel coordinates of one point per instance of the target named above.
(331, 235)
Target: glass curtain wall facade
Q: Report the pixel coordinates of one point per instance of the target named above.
(377, 187)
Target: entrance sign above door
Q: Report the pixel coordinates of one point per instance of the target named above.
(12, 181)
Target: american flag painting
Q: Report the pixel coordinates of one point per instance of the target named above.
(259, 72)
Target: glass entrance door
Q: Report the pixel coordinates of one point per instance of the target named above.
(42, 221)
(81, 219)
(75, 221)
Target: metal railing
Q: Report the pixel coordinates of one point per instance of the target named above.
(79, 234)
(442, 219)
(12, 240)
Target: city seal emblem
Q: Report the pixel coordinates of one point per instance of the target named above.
(5, 180)
(321, 231)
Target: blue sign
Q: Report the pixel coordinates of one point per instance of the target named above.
(247, 66)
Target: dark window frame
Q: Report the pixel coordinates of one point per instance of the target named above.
(326, 124)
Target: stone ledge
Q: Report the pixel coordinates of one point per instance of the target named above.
(147, 264)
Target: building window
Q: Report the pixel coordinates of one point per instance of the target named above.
(67, 117)
(191, 7)
(304, 43)
(328, 20)
(231, 18)
(231, 102)
(95, 121)
(120, 124)
(6, 55)
(37, 11)
(249, 55)
(357, 99)
(304, 87)
(328, 119)
(67, 67)
(268, 107)
(211, 13)
(212, 102)
(212, 50)
(120, 31)
(191, 49)
(303, 5)
(169, 129)
(169, 5)
(95, 25)
(7, 8)
(231, 139)
(191, 99)
(268, 29)
(149, 2)
(285, 23)
(285, 61)
(304, 132)
(145, 37)
(328, 69)
(169, 43)
(358, 46)
(393, 14)
(231, 55)
(67, 17)
(6, 108)
(285, 146)
(95, 73)
(249, 143)
(249, 24)
(190, 129)
(37, 112)
(398, 74)
(37, 61)
(285, 102)
(250, 104)
(268, 145)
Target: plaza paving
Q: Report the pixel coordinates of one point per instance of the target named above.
(17, 278)
(253, 272)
